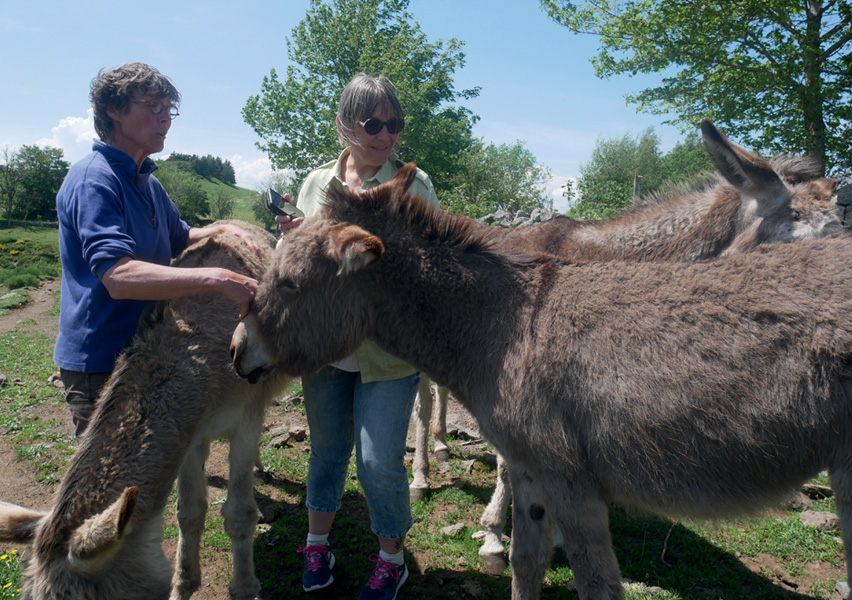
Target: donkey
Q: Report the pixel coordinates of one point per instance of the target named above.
(750, 201)
(680, 388)
(172, 392)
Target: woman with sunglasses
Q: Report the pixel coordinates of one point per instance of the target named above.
(119, 230)
(364, 400)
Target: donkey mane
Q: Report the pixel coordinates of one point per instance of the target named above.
(796, 169)
(391, 204)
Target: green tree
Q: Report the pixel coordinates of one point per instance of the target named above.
(222, 205)
(185, 190)
(41, 173)
(206, 166)
(600, 198)
(605, 185)
(337, 39)
(686, 160)
(10, 178)
(491, 177)
(773, 73)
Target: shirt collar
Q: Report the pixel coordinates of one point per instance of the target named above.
(123, 162)
(383, 175)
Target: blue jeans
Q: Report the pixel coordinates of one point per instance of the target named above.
(373, 417)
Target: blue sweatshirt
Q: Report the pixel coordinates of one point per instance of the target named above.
(108, 211)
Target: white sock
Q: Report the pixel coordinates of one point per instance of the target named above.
(316, 539)
(397, 559)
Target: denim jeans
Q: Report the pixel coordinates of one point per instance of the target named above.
(373, 417)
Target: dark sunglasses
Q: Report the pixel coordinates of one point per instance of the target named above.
(373, 125)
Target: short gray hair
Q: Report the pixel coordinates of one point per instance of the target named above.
(359, 100)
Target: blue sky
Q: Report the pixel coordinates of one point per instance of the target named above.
(537, 82)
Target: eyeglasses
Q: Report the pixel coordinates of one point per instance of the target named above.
(373, 125)
(157, 106)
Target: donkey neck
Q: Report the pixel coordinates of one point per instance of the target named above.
(686, 226)
(458, 300)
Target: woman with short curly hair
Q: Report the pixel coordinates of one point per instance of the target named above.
(119, 230)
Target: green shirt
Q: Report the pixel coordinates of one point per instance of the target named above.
(374, 363)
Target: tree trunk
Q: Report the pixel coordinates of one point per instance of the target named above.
(811, 91)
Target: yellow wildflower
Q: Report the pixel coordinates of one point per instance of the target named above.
(4, 557)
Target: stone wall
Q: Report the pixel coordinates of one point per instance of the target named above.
(844, 204)
(522, 218)
(501, 218)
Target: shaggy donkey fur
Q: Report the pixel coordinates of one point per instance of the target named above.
(683, 388)
(172, 392)
(749, 202)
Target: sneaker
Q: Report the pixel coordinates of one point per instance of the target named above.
(386, 580)
(319, 560)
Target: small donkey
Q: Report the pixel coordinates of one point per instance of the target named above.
(172, 392)
(750, 202)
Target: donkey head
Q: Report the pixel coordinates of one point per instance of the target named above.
(93, 562)
(791, 200)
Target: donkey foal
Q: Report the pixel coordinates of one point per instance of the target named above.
(172, 392)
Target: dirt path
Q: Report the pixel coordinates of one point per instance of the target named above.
(37, 307)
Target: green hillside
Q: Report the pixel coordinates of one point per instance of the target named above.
(244, 198)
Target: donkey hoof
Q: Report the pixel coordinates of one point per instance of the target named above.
(442, 455)
(493, 564)
(417, 493)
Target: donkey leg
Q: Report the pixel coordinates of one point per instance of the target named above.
(841, 485)
(531, 546)
(191, 510)
(583, 518)
(492, 553)
(240, 509)
(420, 467)
(439, 426)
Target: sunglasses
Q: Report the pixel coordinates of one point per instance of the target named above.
(373, 125)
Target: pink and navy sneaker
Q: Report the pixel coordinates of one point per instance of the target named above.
(319, 560)
(386, 580)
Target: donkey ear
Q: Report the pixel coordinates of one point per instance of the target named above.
(405, 176)
(354, 248)
(749, 173)
(101, 535)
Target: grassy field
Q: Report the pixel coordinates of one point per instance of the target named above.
(243, 197)
(28, 255)
(766, 557)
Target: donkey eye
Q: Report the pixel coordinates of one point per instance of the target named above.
(797, 215)
(288, 286)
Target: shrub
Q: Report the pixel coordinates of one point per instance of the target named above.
(20, 280)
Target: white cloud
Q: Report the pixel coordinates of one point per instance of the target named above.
(553, 187)
(74, 135)
(251, 173)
